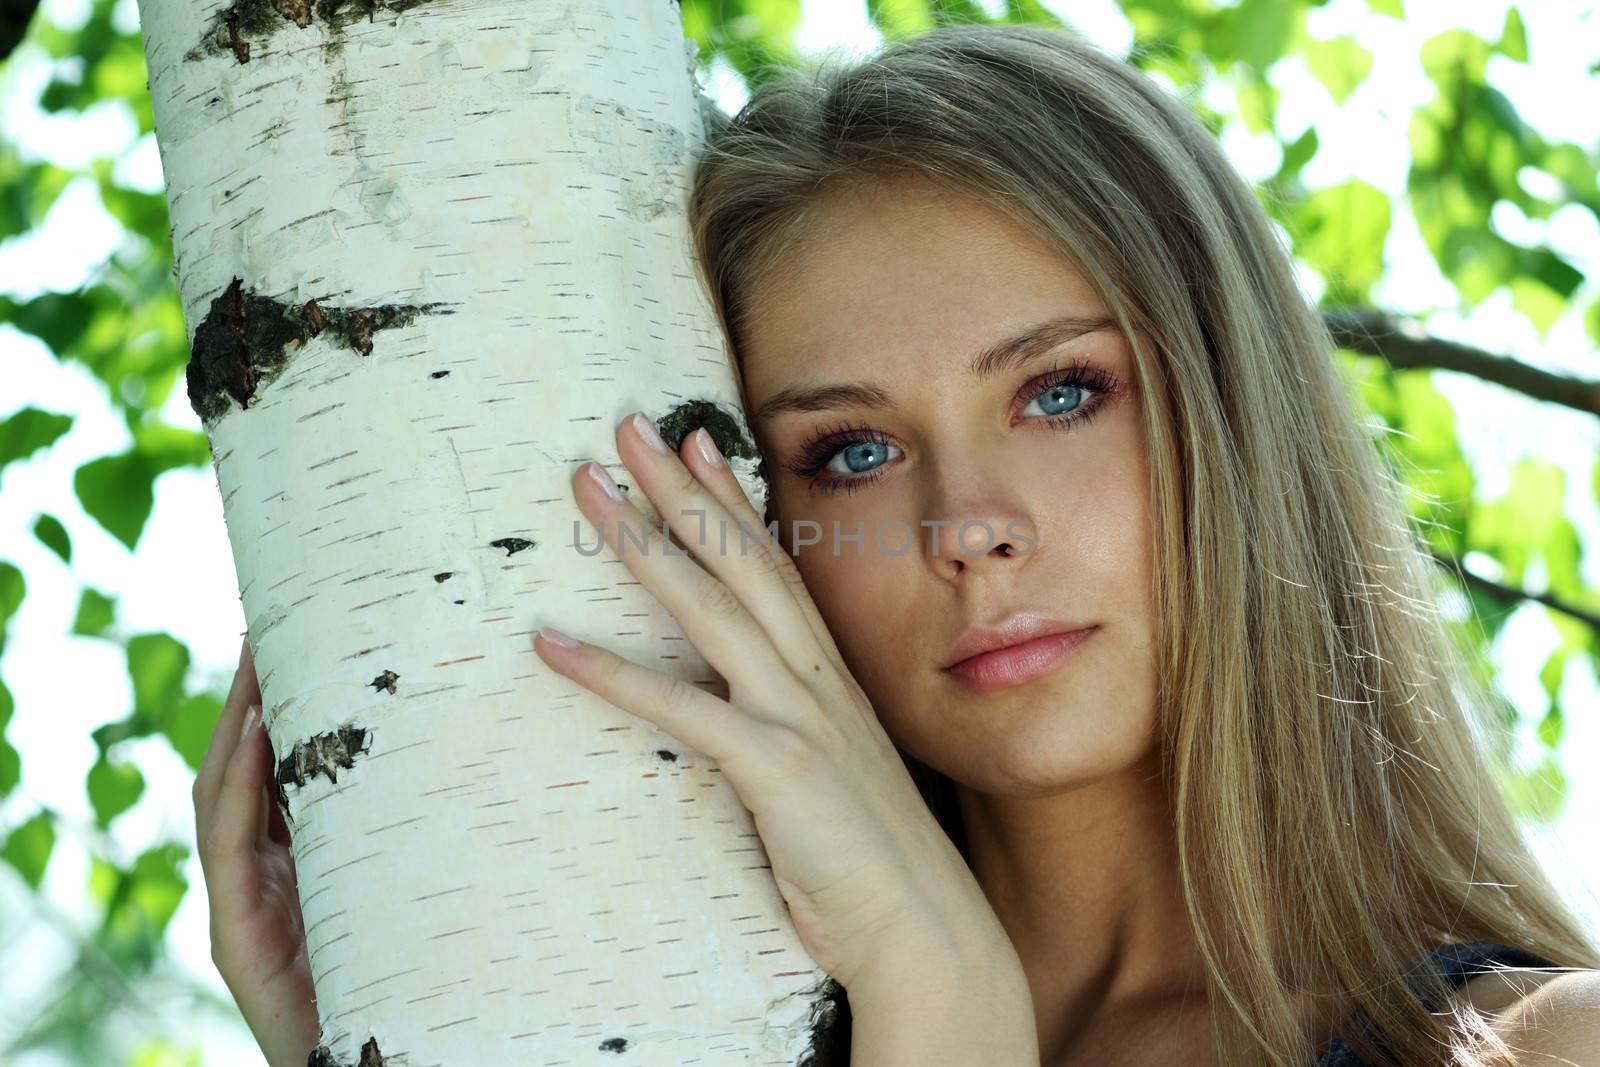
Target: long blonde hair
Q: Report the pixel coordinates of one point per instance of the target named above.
(1334, 814)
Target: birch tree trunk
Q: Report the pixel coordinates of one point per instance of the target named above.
(430, 252)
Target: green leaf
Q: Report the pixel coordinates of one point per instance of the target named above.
(1514, 38)
(1258, 104)
(1258, 32)
(113, 788)
(1591, 320)
(1541, 304)
(1297, 155)
(96, 612)
(156, 664)
(1392, 8)
(57, 319)
(1031, 11)
(900, 18)
(29, 846)
(165, 446)
(116, 492)
(158, 887)
(1341, 64)
(1343, 229)
(53, 535)
(13, 587)
(10, 759)
(29, 430)
(1561, 277)
(1537, 795)
(1551, 727)
(161, 1052)
(1527, 523)
(1550, 677)
(189, 726)
(958, 12)
(1453, 56)
(10, 768)
(139, 900)
(27, 193)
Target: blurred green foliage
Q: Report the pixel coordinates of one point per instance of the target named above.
(1470, 151)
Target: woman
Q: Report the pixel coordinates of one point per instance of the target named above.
(1238, 816)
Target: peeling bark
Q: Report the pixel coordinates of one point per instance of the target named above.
(725, 428)
(232, 29)
(322, 1056)
(246, 340)
(326, 754)
(830, 1027)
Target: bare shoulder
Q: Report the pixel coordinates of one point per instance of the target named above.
(1549, 1017)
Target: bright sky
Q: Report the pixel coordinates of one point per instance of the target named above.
(182, 580)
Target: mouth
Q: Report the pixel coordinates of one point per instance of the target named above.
(1002, 668)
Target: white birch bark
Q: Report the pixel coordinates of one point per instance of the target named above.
(485, 200)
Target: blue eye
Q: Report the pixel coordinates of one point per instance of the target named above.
(1065, 395)
(860, 457)
(852, 457)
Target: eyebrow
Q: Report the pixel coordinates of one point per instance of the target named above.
(1006, 354)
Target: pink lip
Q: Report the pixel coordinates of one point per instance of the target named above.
(1015, 664)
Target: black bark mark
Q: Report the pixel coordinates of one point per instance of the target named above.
(723, 427)
(321, 1056)
(327, 754)
(830, 1027)
(385, 680)
(614, 1044)
(246, 340)
(513, 545)
(232, 28)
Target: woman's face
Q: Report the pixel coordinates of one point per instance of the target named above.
(900, 287)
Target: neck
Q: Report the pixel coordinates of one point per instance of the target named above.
(1085, 883)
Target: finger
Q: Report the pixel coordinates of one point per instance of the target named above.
(729, 541)
(227, 849)
(710, 613)
(701, 455)
(693, 716)
(263, 819)
(277, 828)
(244, 691)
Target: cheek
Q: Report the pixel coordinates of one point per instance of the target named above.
(851, 589)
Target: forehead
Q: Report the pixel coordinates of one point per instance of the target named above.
(898, 275)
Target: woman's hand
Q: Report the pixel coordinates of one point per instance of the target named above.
(874, 886)
(258, 937)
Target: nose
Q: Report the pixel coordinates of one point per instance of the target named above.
(979, 540)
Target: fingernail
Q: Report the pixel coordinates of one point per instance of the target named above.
(707, 447)
(250, 715)
(556, 637)
(647, 430)
(598, 473)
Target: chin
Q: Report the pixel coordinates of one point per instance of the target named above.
(1063, 754)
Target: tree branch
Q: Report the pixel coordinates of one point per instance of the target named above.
(1509, 594)
(1372, 333)
(14, 18)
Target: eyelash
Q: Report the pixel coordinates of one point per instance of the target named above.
(828, 441)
